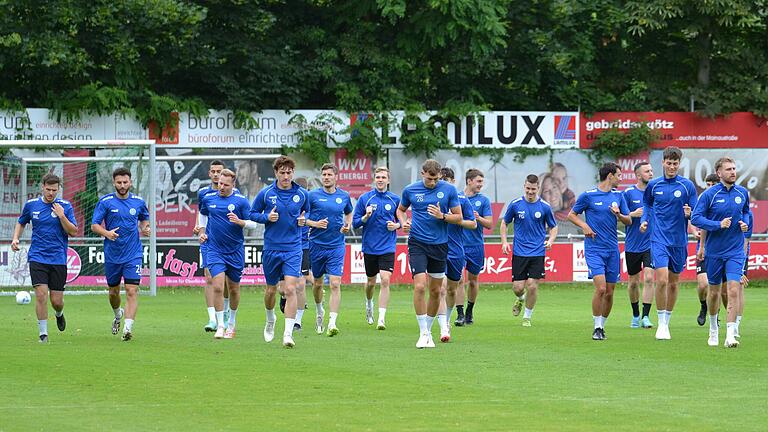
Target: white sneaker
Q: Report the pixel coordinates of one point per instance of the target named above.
(430, 342)
(319, 324)
(381, 325)
(731, 342)
(662, 332)
(229, 333)
(714, 338)
(445, 334)
(422, 342)
(219, 333)
(288, 341)
(269, 331)
(369, 316)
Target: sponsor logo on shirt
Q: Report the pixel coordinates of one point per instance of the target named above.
(660, 193)
(599, 203)
(521, 214)
(115, 210)
(720, 200)
(636, 201)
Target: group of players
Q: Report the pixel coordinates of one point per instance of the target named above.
(304, 238)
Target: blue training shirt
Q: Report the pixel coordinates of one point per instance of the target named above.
(531, 222)
(424, 227)
(49, 240)
(716, 204)
(596, 206)
(456, 232)
(482, 205)
(377, 239)
(331, 206)
(285, 234)
(663, 202)
(125, 214)
(635, 240)
(225, 239)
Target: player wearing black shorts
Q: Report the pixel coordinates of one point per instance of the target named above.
(53, 221)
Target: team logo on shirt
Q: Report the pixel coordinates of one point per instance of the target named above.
(387, 207)
(231, 207)
(537, 215)
(338, 200)
(440, 194)
(678, 194)
(295, 198)
(477, 203)
(614, 204)
(737, 199)
(53, 215)
(132, 211)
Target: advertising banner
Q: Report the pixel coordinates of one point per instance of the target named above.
(682, 129)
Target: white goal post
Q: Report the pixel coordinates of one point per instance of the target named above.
(87, 160)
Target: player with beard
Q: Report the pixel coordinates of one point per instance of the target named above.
(637, 248)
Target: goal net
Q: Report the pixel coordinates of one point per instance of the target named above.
(85, 169)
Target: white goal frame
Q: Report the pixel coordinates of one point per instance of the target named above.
(151, 147)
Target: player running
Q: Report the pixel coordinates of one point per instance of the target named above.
(637, 249)
(602, 206)
(667, 204)
(474, 245)
(331, 212)
(532, 215)
(375, 212)
(227, 215)
(723, 211)
(430, 201)
(702, 283)
(120, 217)
(281, 207)
(53, 222)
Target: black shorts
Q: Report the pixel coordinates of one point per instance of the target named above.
(305, 263)
(53, 275)
(524, 268)
(637, 261)
(427, 258)
(701, 266)
(376, 263)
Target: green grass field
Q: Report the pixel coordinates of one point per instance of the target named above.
(494, 375)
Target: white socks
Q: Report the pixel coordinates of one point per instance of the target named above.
(128, 325)
(527, 313)
(299, 315)
(713, 323)
(662, 317)
(232, 318)
(42, 325)
(319, 307)
(220, 319)
(211, 314)
(422, 319)
(369, 304)
(289, 327)
(442, 320)
(270, 315)
(332, 319)
(117, 312)
(382, 314)
(226, 304)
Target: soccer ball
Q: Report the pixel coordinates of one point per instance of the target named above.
(23, 297)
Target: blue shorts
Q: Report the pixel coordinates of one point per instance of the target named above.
(427, 258)
(604, 263)
(720, 269)
(475, 258)
(671, 257)
(455, 267)
(233, 273)
(130, 271)
(278, 264)
(324, 260)
(203, 251)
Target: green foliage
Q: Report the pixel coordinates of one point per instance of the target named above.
(313, 137)
(614, 143)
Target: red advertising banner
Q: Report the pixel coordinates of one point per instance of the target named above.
(683, 129)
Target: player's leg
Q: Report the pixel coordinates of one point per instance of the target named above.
(291, 269)
(131, 275)
(472, 292)
(475, 259)
(317, 264)
(334, 267)
(701, 291)
(57, 279)
(597, 305)
(460, 299)
(386, 277)
(713, 306)
(41, 310)
(301, 300)
(454, 269)
(520, 274)
(649, 286)
(532, 288)
(634, 266)
(232, 283)
(113, 273)
(733, 272)
(211, 326)
(218, 278)
(371, 264)
(677, 259)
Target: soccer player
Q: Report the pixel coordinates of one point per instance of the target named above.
(701, 268)
(532, 215)
(723, 211)
(430, 201)
(637, 248)
(120, 217)
(456, 258)
(474, 245)
(227, 215)
(53, 221)
(214, 171)
(331, 212)
(375, 212)
(281, 207)
(602, 206)
(667, 204)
